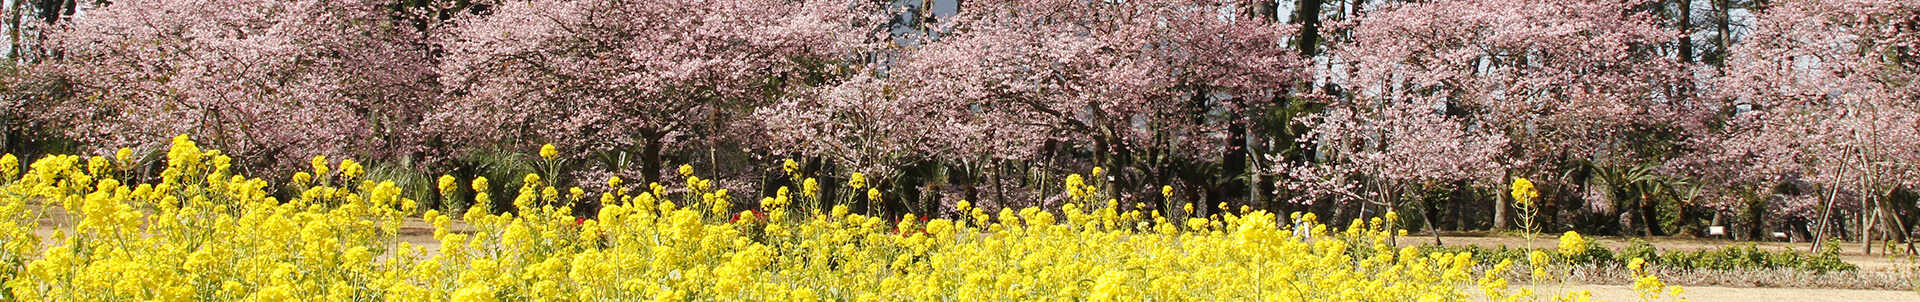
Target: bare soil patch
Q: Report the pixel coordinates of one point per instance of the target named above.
(1750, 294)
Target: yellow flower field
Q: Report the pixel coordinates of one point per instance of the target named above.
(205, 234)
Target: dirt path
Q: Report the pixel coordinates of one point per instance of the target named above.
(1750, 294)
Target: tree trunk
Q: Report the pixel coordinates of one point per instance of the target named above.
(1723, 41)
(1686, 31)
(1234, 162)
(1718, 221)
(650, 156)
(1307, 14)
(1866, 227)
(1866, 223)
(1650, 217)
(1500, 205)
(1688, 226)
(13, 30)
(1897, 228)
(1426, 213)
(999, 186)
(1256, 183)
(1756, 214)
(1826, 210)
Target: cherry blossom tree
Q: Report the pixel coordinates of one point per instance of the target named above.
(1824, 93)
(1124, 79)
(635, 76)
(1497, 87)
(1036, 81)
(270, 82)
(1399, 149)
(880, 128)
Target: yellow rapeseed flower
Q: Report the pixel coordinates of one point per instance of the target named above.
(199, 233)
(448, 184)
(1523, 192)
(9, 167)
(125, 156)
(320, 165)
(350, 169)
(1572, 244)
(810, 187)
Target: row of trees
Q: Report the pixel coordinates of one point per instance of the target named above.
(1633, 116)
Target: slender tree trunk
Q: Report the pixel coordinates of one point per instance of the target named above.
(1826, 210)
(1724, 28)
(13, 30)
(1426, 213)
(1686, 31)
(999, 187)
(1755, 211)
(1500, 205)
(1163, 173)
(1256, 183)
(1866, 226)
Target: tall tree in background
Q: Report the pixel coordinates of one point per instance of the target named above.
(1029, 80)
(1562, 82)
(1827, 91)
(881, 127)
(634, 76)
(1683, 20)
(270, 82)
(1240, 62)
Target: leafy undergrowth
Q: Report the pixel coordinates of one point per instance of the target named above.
(1730, 265)
(1729, 257)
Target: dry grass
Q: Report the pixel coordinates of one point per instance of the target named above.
(1750, 294)
(1788, 278)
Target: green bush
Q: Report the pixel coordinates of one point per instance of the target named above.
(1749, 256)
(1731, 257)
(1482, 254)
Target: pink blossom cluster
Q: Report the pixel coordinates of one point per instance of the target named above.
(271, 82)
(1410, 96)
(1823, 92)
